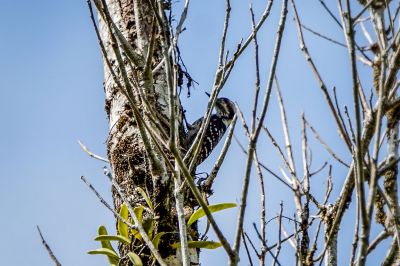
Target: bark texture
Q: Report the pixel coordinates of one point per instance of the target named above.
(129, 160)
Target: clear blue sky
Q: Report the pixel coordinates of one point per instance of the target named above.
(52, 95)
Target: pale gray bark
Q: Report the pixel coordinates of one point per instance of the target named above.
(127, 154)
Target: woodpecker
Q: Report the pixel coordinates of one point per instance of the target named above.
(219, 122)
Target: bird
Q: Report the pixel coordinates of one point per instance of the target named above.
(225, 110)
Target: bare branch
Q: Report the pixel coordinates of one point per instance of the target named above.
(322, 36)
(355, 237)
(91, 154)
(329, 150)
(224, 33)
(202, 203)
(359, 176)
(374, 243)
(322, 85)
(221, 77)
(288, 144)
(256, 132)
(105, 203)
(365, 8)
(213, 174)
(330, 13)
(247, 250)
(244, 234)
(264, 166)
(257, 65)
(47, 247)
(278, 247)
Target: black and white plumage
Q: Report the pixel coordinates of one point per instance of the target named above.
(219, 122)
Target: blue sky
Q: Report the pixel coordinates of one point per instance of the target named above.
(52, 96)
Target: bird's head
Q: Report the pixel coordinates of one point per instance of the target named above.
(225, 108)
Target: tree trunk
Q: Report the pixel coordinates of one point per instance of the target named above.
(131, 166)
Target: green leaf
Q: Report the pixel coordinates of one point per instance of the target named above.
(136, 234)
(135, 259)
(104, 251)
(148, 226)
(199, 244)
(123, 227)
(213, 208)
(105, 244)
(119, 238)
(146, 197)
(113, 258)
(156, 239)
(139, 213)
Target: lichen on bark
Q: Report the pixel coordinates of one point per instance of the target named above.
(127, 154)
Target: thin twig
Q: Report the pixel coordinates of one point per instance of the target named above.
(263, 18)
(262, 211)
(179, 27)
(278, 149)
(256, 132)
(91, 154)
(221, 76)
(339, 112)
(355, 237)
(258, 167)
(397, 12)
(374, 243)
(353, 135)
(267, 249)
(323, 143)
(365, 8)
(316, 73)
(257, 65)
(313, 249)
(247, 250)
(202, 203)
(305, 211)
(365, 56)
(328, 186)
(251, 243)
(348, 186)
(47, 247)
(289, 237)
(105, 203)
(366, 34)
(374, 167)
(330, 13)
(288, 144)
(213, 174)
(322, 36)
(224, 33)
(278, 247)
(263, 165)
(359, 176)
